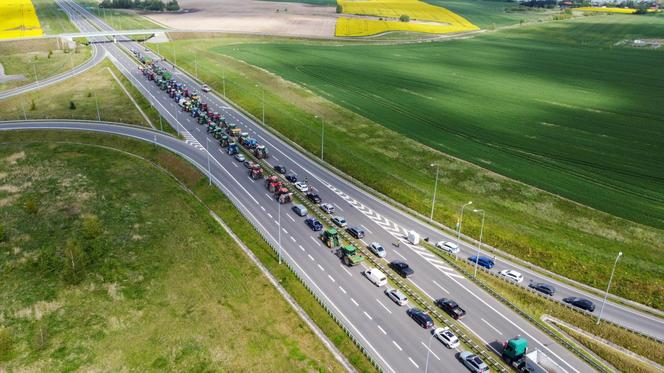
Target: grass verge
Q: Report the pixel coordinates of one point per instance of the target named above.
(536, 306)
(85, 91)
(619, 360)
(52, 18)
(544, 229)
(119, 19)
(46, 57)
(215, 200)
(117, 267)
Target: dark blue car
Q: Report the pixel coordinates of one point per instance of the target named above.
(314, 224)
(483, 261)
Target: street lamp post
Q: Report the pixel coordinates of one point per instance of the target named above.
(97, 105)
(477, 258)
(426, 366)
(435, 188)
(196, 64)
(207, 150)
(322, 137)
(606, 295)
(459, 224)
(263, 105)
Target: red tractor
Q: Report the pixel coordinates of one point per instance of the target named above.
(273, 184)
(283, 195)
(256, 172)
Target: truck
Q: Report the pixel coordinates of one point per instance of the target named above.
(515, 353)
(330, 237)
(349, 255)
(260, 152)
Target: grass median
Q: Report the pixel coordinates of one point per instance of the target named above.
(215, 200)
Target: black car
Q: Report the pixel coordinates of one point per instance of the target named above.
(292, 178)
(451, 308)
(582, 303)
(314, 224)
(421, 318)
(313, 197)
(402, 268)
(356, 232)
(280, 169)
(542, 288)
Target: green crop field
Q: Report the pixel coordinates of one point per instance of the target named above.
(553, 105)
(115, 267)
(555, 233)
(489, 14)
(52, 18)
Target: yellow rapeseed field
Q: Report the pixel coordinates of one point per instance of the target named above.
(437, 20)
(18, 18)
(609, 10)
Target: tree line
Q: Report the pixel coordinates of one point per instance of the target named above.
(156, 5)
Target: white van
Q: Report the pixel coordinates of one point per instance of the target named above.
(376, 276)
(413, 237)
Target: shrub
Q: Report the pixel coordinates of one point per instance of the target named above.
(92, 227)
(33, 107)
(3, 235)
(74, 262)
(340, 8)
(172, 6)
(72, 105)
(5, 344)
(404, 18)
(31, 206)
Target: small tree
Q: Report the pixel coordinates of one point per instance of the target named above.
(50, 53)
(6, 344)
(340, 8)
(31, 206)
(404, 18)
(72, 105)
(173, 6)
(3, 235)
(92, 227)
(74, 258)
(33, 107)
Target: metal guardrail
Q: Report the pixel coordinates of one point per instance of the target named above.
(315, 210)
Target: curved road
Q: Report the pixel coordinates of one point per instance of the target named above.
(96, 58)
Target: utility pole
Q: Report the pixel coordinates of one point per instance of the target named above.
(263, 105)
(606, 295)
(435, 188)
(34, 67)
(207, 150)
(196, 64)
(479, 247)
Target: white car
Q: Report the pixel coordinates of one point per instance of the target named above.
(239, 157)
(205, 88)
(302, 186)
(340, 221)
(327, 207)
(396, 296)
(450, 247)
(446, 337)
(511, 275)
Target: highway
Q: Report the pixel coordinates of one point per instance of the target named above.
(391, 338)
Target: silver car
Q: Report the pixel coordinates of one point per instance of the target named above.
(473, 362)
(396, 296)
(377, 249)
(446, 336)
(327, 207)
(450, 247)
(340, 221)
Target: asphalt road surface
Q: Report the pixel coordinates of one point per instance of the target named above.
(392, 339)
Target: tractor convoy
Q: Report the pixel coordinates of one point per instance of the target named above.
(231, 138)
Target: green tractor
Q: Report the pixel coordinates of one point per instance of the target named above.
(223, 141)
(218, 131)
(349, 255)
(330, 238)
